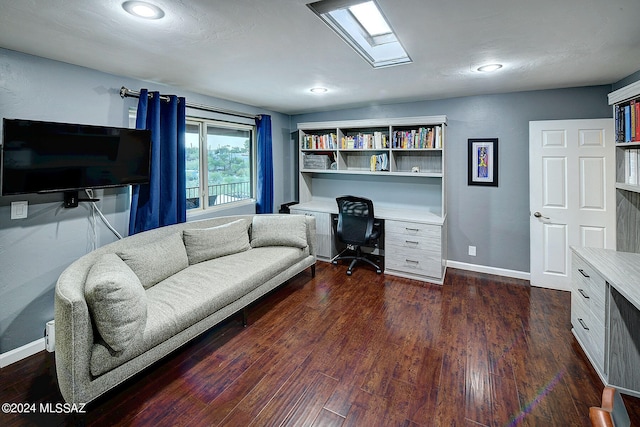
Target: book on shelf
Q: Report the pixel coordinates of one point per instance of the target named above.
(379, 162)
(631, 166)
(320, 142)
(627, 121)
(420, 138)
(365, 141)
(637, 111)
(632, 112)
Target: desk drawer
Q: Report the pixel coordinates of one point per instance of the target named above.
(588, 309)
(588, 330)
(591, 286)
(413, 263)
(396, 229)
(406, 244)
(413, 248)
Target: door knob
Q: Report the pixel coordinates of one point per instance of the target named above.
(539, 215)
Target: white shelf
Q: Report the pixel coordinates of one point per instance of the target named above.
(628, 195)
(368, 172)
(628, 187)
(429, 161)
(624, 94)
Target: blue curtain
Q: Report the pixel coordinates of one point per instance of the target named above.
(162, 201)
(264, 191)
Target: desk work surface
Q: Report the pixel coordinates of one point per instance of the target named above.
(621, 269)
(381, 211)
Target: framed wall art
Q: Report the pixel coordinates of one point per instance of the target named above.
(483, 162)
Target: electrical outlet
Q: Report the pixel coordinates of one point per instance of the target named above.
(472, 251)
(19, 210)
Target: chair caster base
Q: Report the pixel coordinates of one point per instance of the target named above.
(379, 271)
(349, 272)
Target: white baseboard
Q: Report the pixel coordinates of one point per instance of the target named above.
(489, 270)
(20, 353)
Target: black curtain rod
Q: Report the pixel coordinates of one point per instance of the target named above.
(125, 92)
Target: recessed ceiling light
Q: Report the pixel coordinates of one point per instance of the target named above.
(489, 68)
(142, 9)
(319, 90)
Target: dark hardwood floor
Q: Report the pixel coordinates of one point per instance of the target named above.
(365, 350)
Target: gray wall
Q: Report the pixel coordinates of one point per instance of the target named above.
(635, 77)
(35, 250)
(495, 220)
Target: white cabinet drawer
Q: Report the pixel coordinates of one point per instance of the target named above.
(588, 309)
(413, 263)
(413, 248)
(406, 244)
(590, 282)
(398, 229)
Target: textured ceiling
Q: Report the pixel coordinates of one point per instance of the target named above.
(269, 53)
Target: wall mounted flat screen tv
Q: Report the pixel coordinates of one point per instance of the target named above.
(42, 157)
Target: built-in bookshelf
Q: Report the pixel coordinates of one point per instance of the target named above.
(626, 114)
(408, 146)
(399, 164)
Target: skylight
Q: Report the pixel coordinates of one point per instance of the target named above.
(363, 26)
(370, 18)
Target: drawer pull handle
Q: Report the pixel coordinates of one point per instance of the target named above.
(584, 294)
(412, 261)
(411, 229)
(583, 324)
(583, 273)
(413, 242)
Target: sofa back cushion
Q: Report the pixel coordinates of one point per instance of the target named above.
(157, 260)
(117, 301)
(208, 243)
(279, 230)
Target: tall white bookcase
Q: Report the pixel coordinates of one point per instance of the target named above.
(627, 124)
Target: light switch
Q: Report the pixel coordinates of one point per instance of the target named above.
(19, 210)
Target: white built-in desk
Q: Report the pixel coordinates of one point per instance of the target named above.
(605, 314)
(414, 239)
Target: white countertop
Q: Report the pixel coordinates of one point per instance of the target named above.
(620, 269)
(382, 211)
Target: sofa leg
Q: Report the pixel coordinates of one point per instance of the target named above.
(245, 316)
(313, 271)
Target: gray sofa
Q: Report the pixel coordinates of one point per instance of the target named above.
(127, 304)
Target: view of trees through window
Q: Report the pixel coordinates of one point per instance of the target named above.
(226, 175)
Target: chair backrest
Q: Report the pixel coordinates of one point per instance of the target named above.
(355, 220)
(612, 412)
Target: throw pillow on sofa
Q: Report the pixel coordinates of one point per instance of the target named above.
(279, 230)
(208, 243)
(157, 260)
(117, 301)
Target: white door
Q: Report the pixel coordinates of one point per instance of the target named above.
(571, 194)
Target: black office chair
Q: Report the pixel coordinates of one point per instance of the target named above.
(356, 228)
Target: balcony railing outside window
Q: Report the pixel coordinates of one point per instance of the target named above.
(220, 194)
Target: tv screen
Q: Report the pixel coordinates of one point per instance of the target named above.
(40, 157)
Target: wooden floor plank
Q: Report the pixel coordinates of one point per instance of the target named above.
(365, 349)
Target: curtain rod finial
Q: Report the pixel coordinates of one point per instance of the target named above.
(123, 92)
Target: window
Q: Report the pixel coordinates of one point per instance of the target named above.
(219, 163)
(362, 25)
